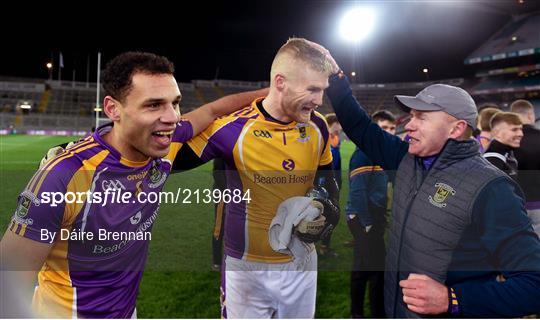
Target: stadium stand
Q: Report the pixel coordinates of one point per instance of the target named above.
(519, 37)
(506, 67)
(507, 64)
(375, 97)
(69, 105)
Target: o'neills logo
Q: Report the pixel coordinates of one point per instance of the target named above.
(138, 176)
(291, 178)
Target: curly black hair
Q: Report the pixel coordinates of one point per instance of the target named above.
(118, 74)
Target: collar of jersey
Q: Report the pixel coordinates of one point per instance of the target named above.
(106, 128)
(263, 114)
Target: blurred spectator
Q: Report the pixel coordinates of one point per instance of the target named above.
(220, 182)
(366, 219)
(335, 144)
(507, 131)
(528, 156)
(484, 118)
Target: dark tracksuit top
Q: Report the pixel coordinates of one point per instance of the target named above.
(528, 157)
(509, 165)
(500, 238)
(367, 190)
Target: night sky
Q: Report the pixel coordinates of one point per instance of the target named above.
(237, 40)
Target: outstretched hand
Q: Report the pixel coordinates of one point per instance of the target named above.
(335, 66)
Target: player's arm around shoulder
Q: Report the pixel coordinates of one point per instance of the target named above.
(60, 149)
(203, 116)
(203, 147)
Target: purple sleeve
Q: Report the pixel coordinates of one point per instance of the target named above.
(183, 131)
(36, 216)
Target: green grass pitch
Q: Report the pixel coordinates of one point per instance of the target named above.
(178, 282)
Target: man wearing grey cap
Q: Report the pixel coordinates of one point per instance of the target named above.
(458, 223)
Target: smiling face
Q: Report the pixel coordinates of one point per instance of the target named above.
(303, 92)
(146, 118)
(429, 131)
(508, 134)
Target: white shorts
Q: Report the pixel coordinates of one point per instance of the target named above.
(269, 290)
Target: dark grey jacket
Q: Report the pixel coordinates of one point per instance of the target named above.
(431, 210)
(498, 239)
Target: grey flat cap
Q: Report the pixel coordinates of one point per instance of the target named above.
(442, 97)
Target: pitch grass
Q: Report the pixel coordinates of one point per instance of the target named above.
(178, 282)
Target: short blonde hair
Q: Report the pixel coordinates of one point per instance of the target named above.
(521, 106)
(508, 117)
(485, 117)
(299, 50)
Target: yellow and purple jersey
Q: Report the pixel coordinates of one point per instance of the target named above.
(271, 159)
(97, 276)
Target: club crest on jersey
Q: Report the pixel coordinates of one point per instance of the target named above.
(135, 219)
(442, 192)
(157, 177)
(288, 164)
(24, 205)
(35, 200)
(304, 137)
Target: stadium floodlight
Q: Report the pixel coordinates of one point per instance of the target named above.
(353, 74)
(49, 66)
(98, 109)
(426, 72)
(25, 105)
(357, 24)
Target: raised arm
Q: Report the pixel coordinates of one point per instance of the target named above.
(201, 117)
(381, 147)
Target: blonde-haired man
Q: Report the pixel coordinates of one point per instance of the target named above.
(276, 149)
(527, 156)
(484, 118)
